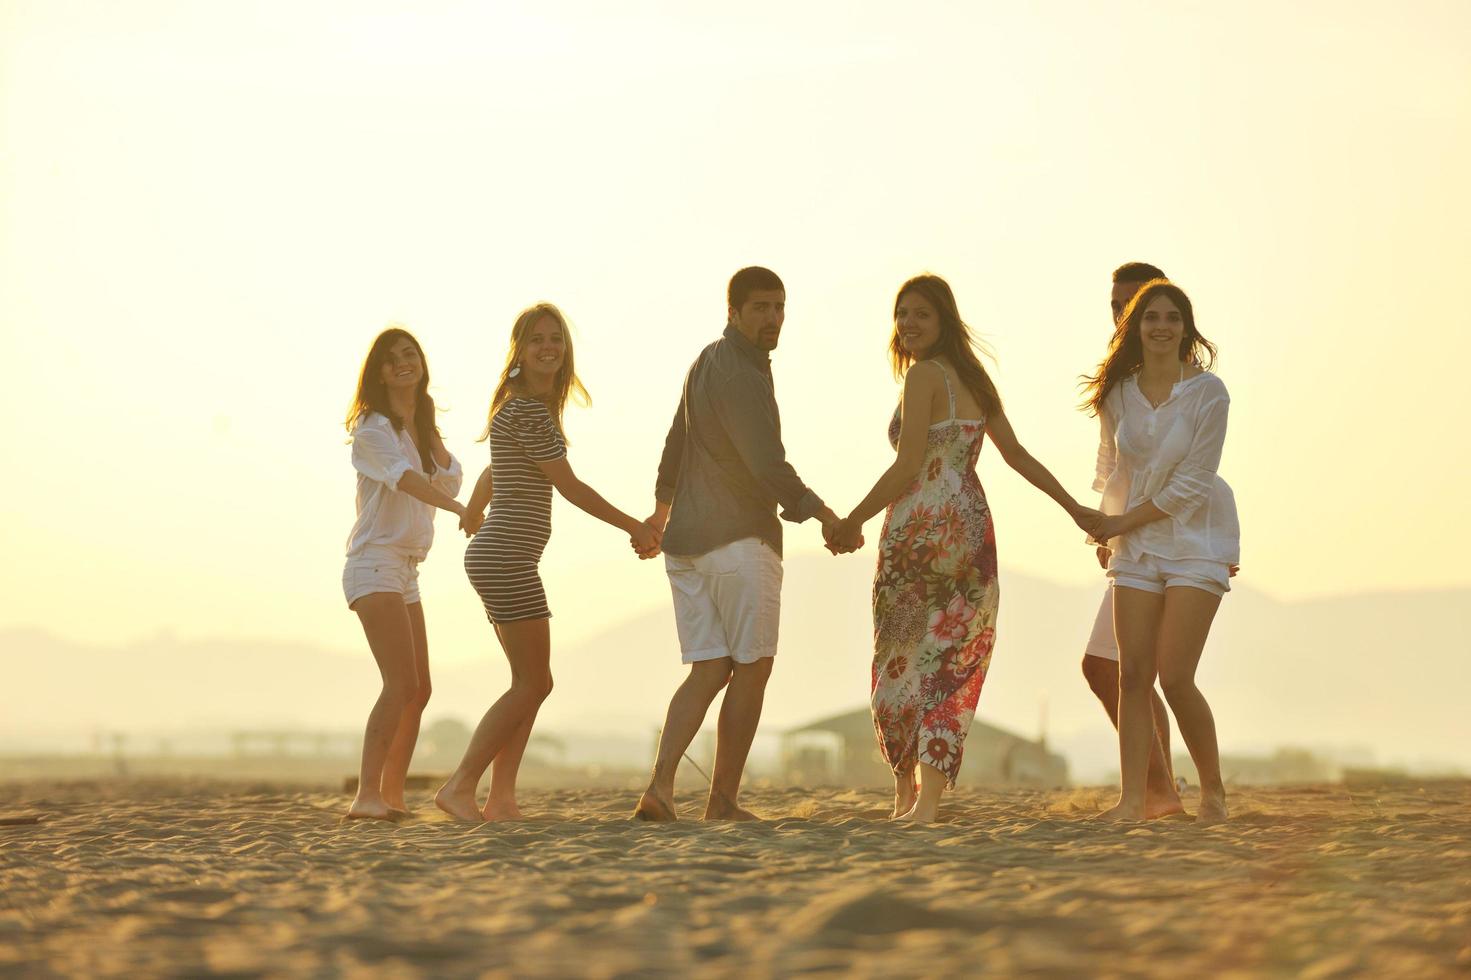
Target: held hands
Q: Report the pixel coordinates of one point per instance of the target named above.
(645, 541)
(470, 521)
(1109, 527)
(1088, 521)
(842, 537)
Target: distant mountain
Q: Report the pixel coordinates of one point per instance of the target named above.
(1388, 670)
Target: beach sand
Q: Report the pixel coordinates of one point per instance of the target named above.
(169, 877)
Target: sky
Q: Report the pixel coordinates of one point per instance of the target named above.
(207, 211)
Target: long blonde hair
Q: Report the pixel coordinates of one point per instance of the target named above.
(567, 383)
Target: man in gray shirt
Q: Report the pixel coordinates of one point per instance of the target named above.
(722, 477)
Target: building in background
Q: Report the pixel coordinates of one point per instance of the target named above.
(843, 751)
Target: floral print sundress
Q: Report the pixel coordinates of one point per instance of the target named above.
(935, 596)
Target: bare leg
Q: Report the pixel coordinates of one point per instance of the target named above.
(528, 648)
(686, 714)
(501, 805)
(1161, 797)
(905, 793)
(1188, 614)
(401, 752)
(1136, 624)
(390, 636)
(740, 713)
(926, 807)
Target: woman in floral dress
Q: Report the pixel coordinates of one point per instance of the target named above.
(935, 591)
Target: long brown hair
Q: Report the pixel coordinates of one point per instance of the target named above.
(1126, 351)
(567, 383)
(955, 341)
(372, 394)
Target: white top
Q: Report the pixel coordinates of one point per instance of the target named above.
(386, 517)
(1169, 455)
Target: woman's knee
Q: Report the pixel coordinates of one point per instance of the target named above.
(420, 700)
(400, 692)
(534, 687)
(1177, 684)
(1136, 677)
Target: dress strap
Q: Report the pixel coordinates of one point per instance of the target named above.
(949, 391)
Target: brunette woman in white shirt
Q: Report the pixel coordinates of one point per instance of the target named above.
(404, 473)
(1171, 526)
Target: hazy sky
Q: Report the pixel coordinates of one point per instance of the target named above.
(208, 210)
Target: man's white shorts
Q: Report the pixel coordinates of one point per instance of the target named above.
(727, 602)
(1101, 642)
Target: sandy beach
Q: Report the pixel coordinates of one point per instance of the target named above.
(172, 877)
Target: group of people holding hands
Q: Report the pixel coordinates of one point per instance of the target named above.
(1165, 530)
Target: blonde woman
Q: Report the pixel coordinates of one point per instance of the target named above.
(528, 457)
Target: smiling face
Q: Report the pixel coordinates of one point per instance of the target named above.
(916, 324)
(402, 367)
(760, 317)
(544, 350)
(1162, 327)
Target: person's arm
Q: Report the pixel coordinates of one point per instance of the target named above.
(671, 460)
(921, 384)
(748, 411)
(377, 454)
(559, 471)
(539, 436)
(419, 488)
(1190, 485)
(474, 515)
(998, 427)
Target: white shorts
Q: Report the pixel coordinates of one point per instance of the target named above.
(378, 569)
(1101, 642)
(727, 602)
(1154, 574)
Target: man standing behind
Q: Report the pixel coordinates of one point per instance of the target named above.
(721, 478)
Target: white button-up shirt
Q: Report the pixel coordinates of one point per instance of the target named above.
(1169, 455)
(387, 517)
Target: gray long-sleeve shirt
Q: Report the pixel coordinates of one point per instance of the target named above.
(724, 469)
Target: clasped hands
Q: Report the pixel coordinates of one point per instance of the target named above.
(841, 536)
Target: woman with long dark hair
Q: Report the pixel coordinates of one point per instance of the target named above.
(935, 592)
(528, 457)
(1171, 526)
(404, 473)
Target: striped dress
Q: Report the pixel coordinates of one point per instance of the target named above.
(502, 558)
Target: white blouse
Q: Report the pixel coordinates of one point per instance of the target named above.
(386, 517)
(1169, 455)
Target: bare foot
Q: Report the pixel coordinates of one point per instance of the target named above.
(921, 814)
(1212, 809)
(1162, 806)
(457, 804)
(402, 813)
(727, 811)
(501, 810)
(1121, 812)
(654, 808)
(905, 793)
(370, 810)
